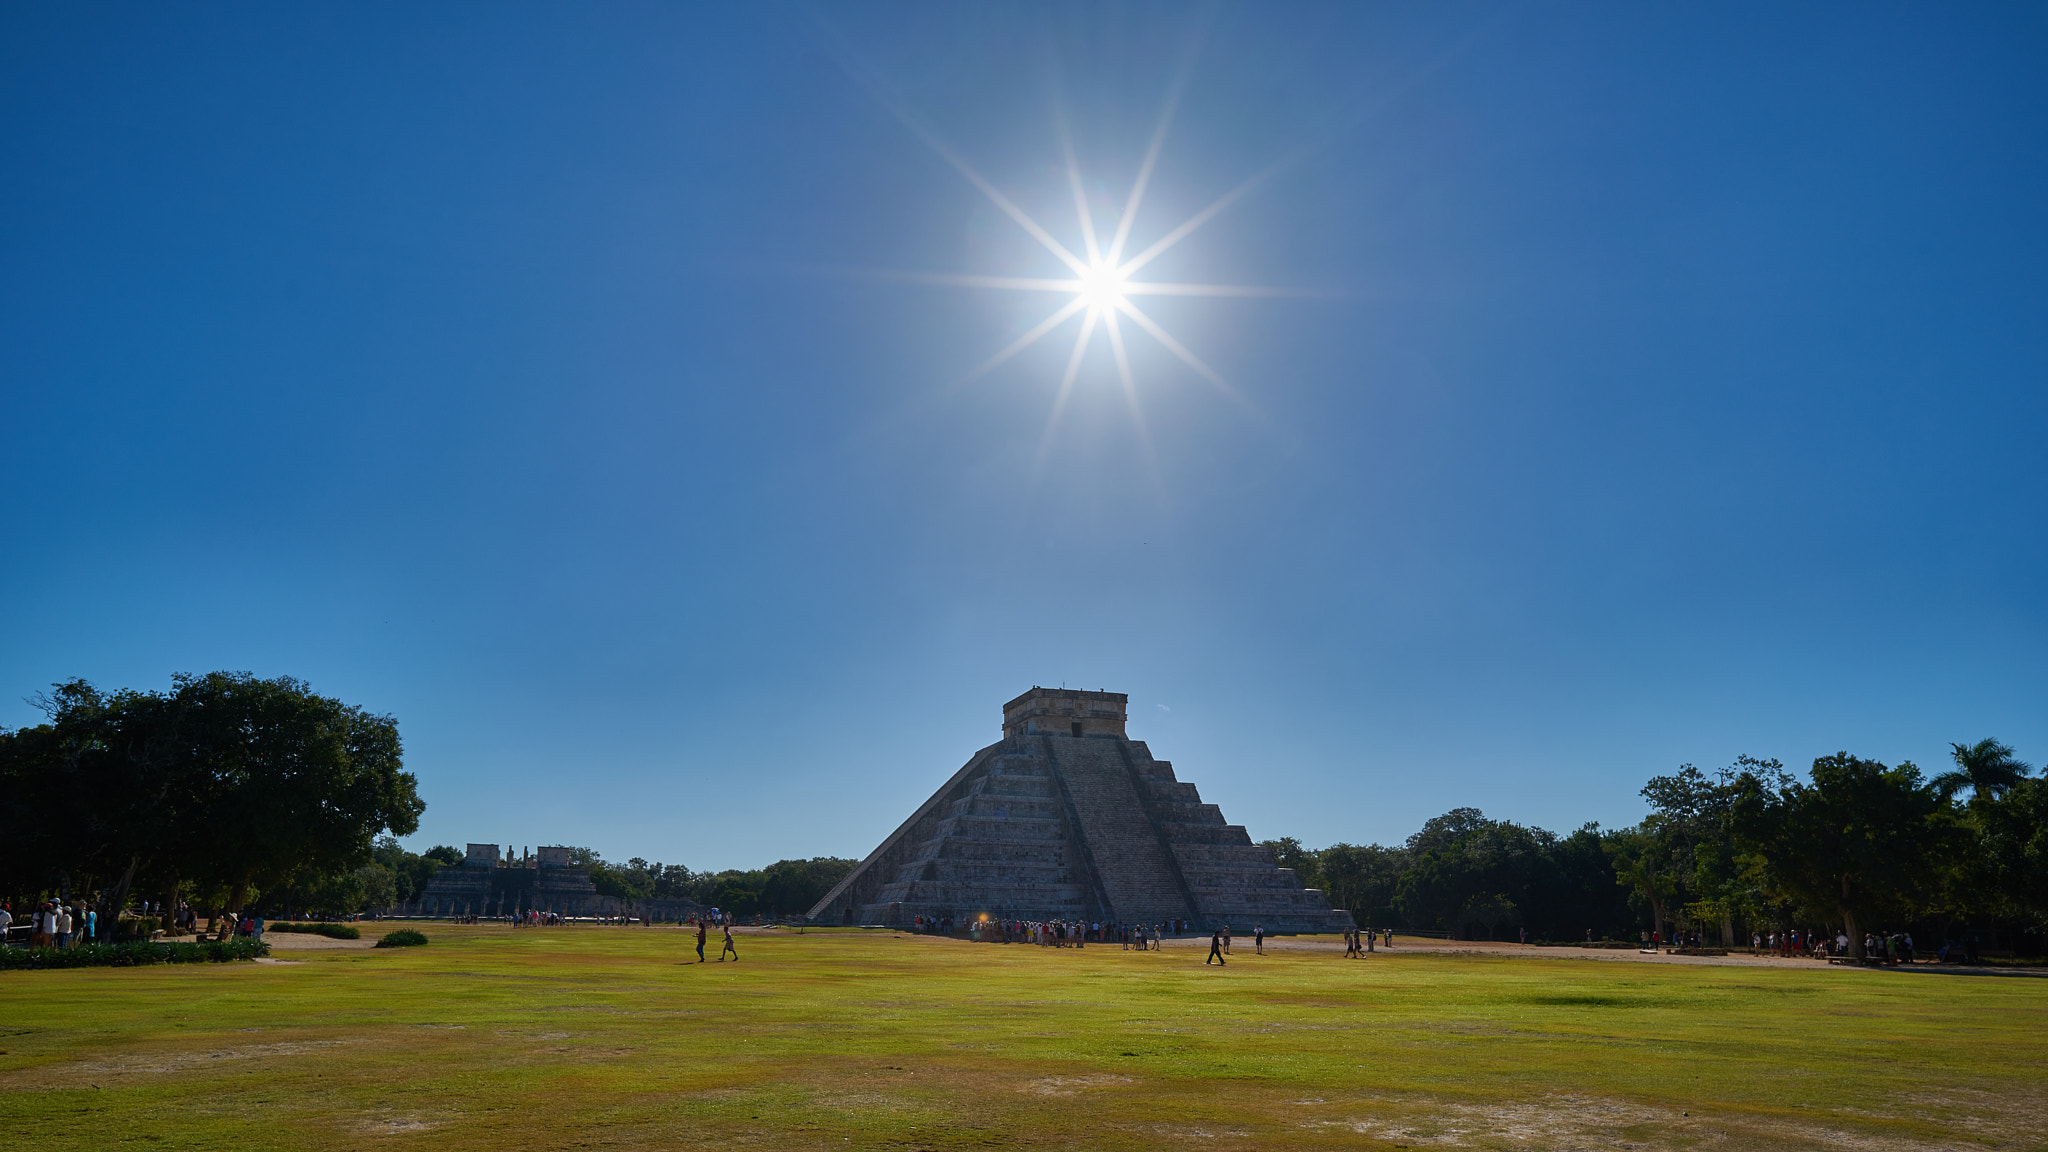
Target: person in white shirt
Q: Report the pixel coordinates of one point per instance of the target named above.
(6, 919)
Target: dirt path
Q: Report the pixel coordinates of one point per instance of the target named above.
(1411, 945)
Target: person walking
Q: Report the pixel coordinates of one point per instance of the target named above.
(728, 947)
(700, 940)
(1259, 939)
(1215, 949)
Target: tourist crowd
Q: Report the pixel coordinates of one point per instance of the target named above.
(52, 924)
(1053, 933)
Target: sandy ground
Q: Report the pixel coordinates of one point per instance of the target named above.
(1409, 945)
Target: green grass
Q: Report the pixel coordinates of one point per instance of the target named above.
(583, 1037)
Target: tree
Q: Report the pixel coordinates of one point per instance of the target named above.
(1306, 862)
(226, 780)
(1363, 879)
(410, 873)
(1689, 832)
(380, 886)
(794, 886)
(1641, 864)
(621, 882)
(1861, 841)
(295, 780)
(1462, 855)
(1987, 768)
(2013, 838)
(104, 788)
(1490, 910)
(1580, 894)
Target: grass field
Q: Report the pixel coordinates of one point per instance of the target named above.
(601, 1037)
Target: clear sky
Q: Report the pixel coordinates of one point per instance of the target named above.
(1657, 384)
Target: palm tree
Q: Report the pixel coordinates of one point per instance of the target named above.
(1987, 768)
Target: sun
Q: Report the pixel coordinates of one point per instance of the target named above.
(1099, 284)
(1102, 286)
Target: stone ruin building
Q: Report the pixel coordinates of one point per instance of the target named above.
(1067, 818)
(486, 884)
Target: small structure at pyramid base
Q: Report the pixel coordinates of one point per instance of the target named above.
(1066, 818)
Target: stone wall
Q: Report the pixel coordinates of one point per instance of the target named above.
(551, 884)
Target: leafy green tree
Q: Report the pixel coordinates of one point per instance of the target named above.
(1306, 862)
(1987, 768)
(2012, 833)
(295, 780)
(225, 781)
(621, 882)
(410, 872)
(1581, 897)
(1693, 842)
(379, 885)
(1462, 856)
(737, 892)
(1489, 910)
(1860, 842)
(1363, 879)
(1642, 864)
(100, 796)
(794, 886)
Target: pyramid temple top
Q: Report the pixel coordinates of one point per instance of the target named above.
(1066, 712)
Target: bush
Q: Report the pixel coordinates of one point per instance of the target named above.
(331, 931)
(136, 927)
(403, 938)
(132, 955)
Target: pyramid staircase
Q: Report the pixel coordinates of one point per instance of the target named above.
(1047, 826)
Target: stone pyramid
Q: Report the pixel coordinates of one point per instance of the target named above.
(1067, 818)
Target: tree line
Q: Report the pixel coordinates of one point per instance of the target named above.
(784, 888)
(232, 792)
(1856, 846)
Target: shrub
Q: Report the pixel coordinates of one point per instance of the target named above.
(403, 938)
(136, 927)
(331, 931)
(132, 955)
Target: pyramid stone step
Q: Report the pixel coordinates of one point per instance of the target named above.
(1066, 817)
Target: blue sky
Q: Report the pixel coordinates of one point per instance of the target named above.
(1662, 384)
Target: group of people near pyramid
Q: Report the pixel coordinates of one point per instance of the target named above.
(1359, 941)
(1056, 933)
